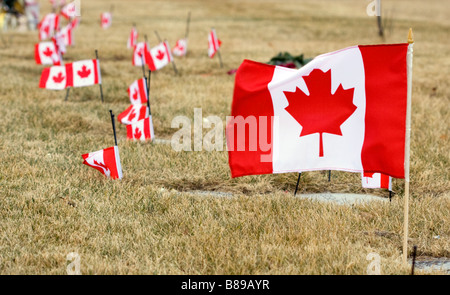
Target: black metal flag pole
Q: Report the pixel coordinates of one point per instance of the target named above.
(413, 259)
(100, 84)
(114, 126)
(67, 93)
(187, 25)
(329, 175)
(298, 181)
(148, 93)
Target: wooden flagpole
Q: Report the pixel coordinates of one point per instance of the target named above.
(100, 84)
(409, 60)
(187, 25)
(114, 126)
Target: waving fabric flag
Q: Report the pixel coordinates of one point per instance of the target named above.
(48, 26)
(141, 130)
(138, 92)
(132, 39)
(45, 53)
(140, 53)
(59, 42)
(180, 48)
(84, 73)
(159, 56)
(106, 20)
(65, 34)
(69, 11)
(345, 110)
(54, 78)
(133, 114)
(107, 161)
(213, 43)
(376, 180)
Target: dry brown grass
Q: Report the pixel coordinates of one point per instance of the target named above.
(52, 205)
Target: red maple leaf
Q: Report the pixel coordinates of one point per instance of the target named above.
(135, 94)
(320, 111)
(46, 29)
(132, 115)
(102, 168)
(84, 73)
(48, 52)
(367, 174)
(59, 78)
(160, 55)
(137, 133)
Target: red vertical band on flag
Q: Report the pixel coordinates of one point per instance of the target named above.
(147, 128)
(109, 157)
(386, 96)
(96, 71)
(384, 181)
(37, 56)
(129, 132)
(44, 78)
(69, 75)
(251, 99)
(142, 90)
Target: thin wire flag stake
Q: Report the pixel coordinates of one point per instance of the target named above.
(187, 25)
(114, 127)
(100, 84)
(148, 93)
(409, 62)
(298, 181)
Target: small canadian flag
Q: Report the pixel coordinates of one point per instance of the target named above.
(141, 130)
(138, 92)
(106, 20)
(48, 26)
(59, 42)
(180, 48)
(76, 74)
(69, 11)
(45, 53)
(140, 53)
(213, 43)
(84, 73)
(66, 35)
(133, 114)
(107, 161)
(159, 56)
(132, 39)
(376, 180)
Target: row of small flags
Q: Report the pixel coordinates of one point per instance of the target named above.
(137, 117)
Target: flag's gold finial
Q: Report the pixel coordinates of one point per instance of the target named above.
(410, 36)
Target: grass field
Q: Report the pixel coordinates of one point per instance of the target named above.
(149, 222)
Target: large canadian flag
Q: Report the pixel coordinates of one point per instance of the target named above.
(159, 56)
(138, 91)
(140, 53)
(133, 114)
(132, 39)
(141, 130)
(107, 161)
(54, 78)
(45, 53)
(48, 26)
(345, 110)
(180, 48)
(213, 43)
(106, 20)
(84, 73)
(376, 180)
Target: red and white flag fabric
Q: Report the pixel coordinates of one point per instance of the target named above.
(133, 114)
(376, 180)
(69, 11)
(54, 78)
(141, 130)
(180, 48)
(140, 54)
(45, 53)
(59, 42)
(84, 73)
(132, 39)
(159, 56)
(107, 161)
(138, 92)
(344, 110)
(213, 43)
(106, 20)
(76, 74)
(75, 22)
(66, 35)
(48, 26)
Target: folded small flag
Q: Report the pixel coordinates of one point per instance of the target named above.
(107, 161)
(138, 92)
(140, 53)
(213, 43)
(376, 180)
(45, 53)
(141, 130)
(133, 114)
(132, 39)
(48, 26)
(159, 56)
(344, 110)
(106, 20)
(180, 48)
